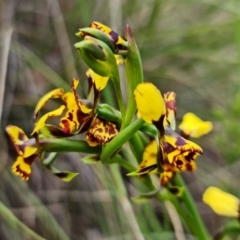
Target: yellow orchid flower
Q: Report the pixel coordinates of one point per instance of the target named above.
(77, 118)
(26, 154)
(193, 126)
(179, 155)
(221, 202)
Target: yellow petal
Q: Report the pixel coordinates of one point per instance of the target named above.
(19, 139)
(221, 202)
(17, 136)
(193, 126)
(149, 159)
(85, 105)
(41, 123)
(149, 102)
(99, 81)
(113, 35)
(57, 93)
(22, 166)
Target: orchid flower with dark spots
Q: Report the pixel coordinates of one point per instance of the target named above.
(77, 118)
(26, 154)
(179, 155)
(169, 153)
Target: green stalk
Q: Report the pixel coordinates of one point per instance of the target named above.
(199, 230)
(124, 201)
(134, 74)
(137, 146)
(116, 84)
(65, 145)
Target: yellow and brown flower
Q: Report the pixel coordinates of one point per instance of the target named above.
(26, 153)
(179, 155)
(78, 116)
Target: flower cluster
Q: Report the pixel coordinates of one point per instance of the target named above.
(102, 49)
(75, 115)
(169, 152)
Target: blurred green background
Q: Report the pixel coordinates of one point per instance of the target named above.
(190, 47)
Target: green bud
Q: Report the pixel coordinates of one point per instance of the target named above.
(98, 34)
(98, 56)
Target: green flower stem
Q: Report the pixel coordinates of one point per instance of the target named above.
(65, 145)
(117, 88)
(14, 222)
(134, 74)
(121, 161)
(187, 220)
(137, 146)
(199, 230)
(49, 160)
(119, 140)
(124, 201)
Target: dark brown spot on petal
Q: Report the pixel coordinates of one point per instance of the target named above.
(70, 116)
(189, 167)
(190, 156)
(29, 160)
(179, 164)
